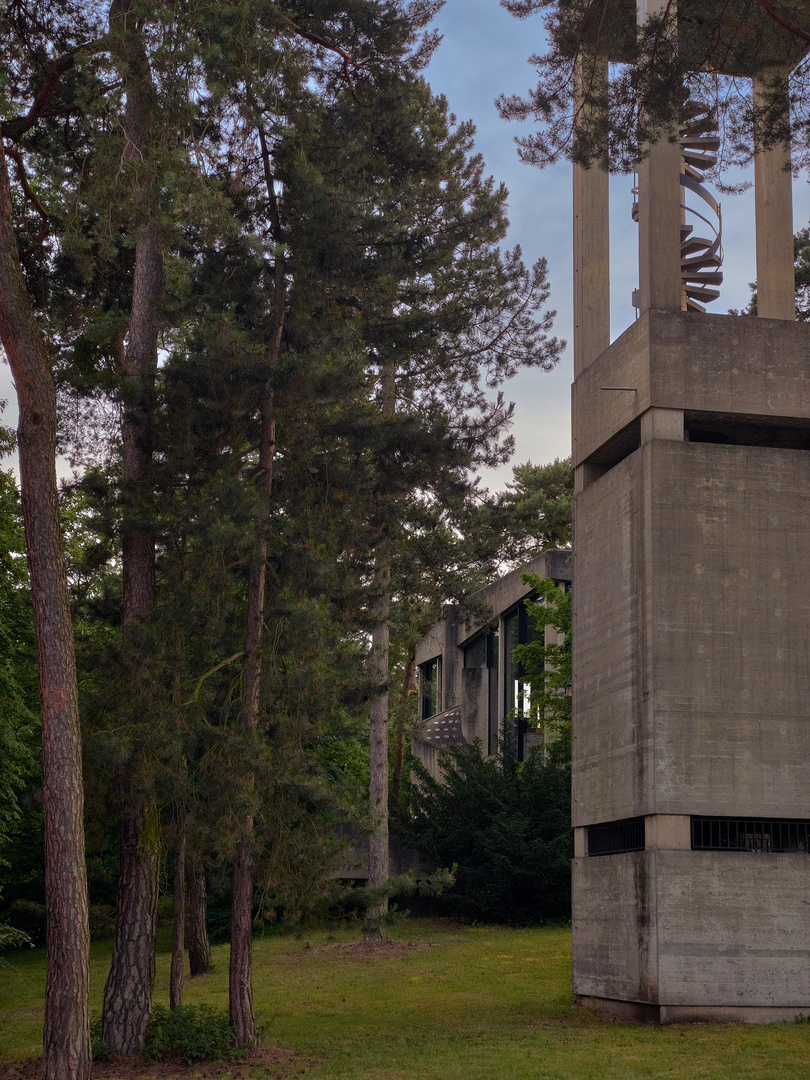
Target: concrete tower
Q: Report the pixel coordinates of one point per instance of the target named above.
(691, 446)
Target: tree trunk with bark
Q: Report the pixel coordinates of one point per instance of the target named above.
(240, 969)
(128, 991)
(199, 947)
(67, 1031)
(374, 928)
(178, 918)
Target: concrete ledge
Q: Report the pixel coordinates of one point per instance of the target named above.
(642, 1012)
(710, 364)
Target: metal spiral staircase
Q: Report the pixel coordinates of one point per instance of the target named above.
(701, 255)
(702, 251)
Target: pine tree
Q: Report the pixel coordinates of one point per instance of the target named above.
(442, 318)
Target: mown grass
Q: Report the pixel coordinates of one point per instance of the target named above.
(478, 1004)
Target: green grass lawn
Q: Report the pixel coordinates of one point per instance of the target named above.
(486, 1003)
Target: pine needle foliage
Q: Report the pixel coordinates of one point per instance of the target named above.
(706, 50)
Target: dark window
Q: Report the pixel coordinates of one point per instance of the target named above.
(750, 834)
(492, 711)
(616, 837)
(518, 629)
(430, 691)
(786, 433)
(475, 655)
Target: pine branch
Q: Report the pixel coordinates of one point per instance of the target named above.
(769, 7)
(22, 176)
(15, 129)
(348, 60)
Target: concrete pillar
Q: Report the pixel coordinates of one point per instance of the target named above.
(776, 286)
(662, 424)
(668, 832)
(659, 214)
(591, 251)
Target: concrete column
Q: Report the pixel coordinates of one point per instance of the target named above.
(668, 832)
(662, 424)
(591, 250)
(776, 285)
(659, 214)
(580, 842)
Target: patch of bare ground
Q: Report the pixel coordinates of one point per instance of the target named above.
(362, 950)
(264, 1062)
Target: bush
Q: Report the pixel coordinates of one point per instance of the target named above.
(100, 1050)
(29, 916)
(507, 827)
(192, 1033)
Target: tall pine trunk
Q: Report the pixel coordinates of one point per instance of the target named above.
(128, 992)
(240, 968)
(179, 889)
(179, 917)
(199, 947)
(67, 1031)
(374, 928)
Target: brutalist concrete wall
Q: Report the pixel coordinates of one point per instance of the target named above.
(712, 364)
(611, 746)
(692, 689)
(730, 620)
(693, 929)
(613, 922)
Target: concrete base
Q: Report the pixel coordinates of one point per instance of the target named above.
(642, 1012)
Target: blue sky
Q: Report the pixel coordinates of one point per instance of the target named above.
(485, 52)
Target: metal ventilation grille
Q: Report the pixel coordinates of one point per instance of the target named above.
(616, 837)
(750, 834)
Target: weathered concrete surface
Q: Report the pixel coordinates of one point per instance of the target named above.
(611, 735)
(692, 665)
(694, 930)
(506, 591)
(702, 363)
(773, 189)
(692, 615)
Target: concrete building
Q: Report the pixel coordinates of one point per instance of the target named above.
(691, 728)
(469, 684)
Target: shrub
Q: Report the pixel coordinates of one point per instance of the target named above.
(192, 1033)
(507, 827)
(29, 917)
(101, 1052)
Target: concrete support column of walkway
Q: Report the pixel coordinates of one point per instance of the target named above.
(662, 424)
(659, 215)
(776, 287)
(591, 242)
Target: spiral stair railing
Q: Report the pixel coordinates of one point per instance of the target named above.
(701, 255)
